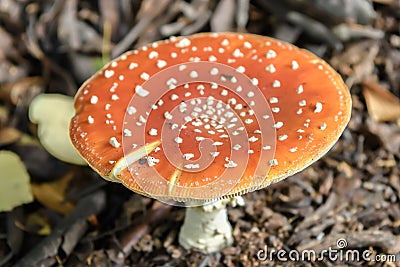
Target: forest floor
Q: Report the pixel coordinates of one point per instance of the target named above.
(77, 219)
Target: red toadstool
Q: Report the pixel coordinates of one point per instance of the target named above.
(208, 117)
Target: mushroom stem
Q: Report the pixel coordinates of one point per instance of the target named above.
(207, 227)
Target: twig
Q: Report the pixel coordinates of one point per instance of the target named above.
(133, 234)
(61, 237)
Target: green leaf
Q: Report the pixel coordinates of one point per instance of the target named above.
(14, 182)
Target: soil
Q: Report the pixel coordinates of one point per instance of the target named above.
(351, 195)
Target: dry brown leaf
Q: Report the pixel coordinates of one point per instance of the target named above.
(52, 195)
(9, 135)
(24, 88)
(37, 223)
(382, 105)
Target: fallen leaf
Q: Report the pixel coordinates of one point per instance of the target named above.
(9, 135)
(24, 88)
(52, 195)
(14, 182)
(382, 105)
(38, 221)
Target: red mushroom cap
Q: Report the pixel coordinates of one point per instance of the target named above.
(149, 119)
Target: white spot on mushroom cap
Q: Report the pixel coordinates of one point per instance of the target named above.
(145, 76)
(114, 142)
(133, 65)
(94, 99)
(108, 73)
(214, 71)
(270, 68)
(273, 100)
(214, 154)
(184, 42)
(212, 58)
(217, 143)
(131, 110)
(318, 107)
(236, 147)
(199, 138)
(188, 156)
(153, 132)
(127, 132)
(302, 103)
(193, 74)
(248, 121)
(141, 91)
(282, 137)
(237, 53)
(151, 161)
(161, 63)
(167, 115)
(225, 42)
(247, 45)
(271, 54)
(300, 89)
(230, 163)
(295, 65)
(278, 124)
(90, 119)
(253, 139)
(178, 140)
(254, 81)
(192, 166)
(276, 84)
(153, 54)
(171, 83)
(240, 69)
(273, 162)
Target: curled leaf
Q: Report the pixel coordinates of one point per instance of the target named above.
(382, 105)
